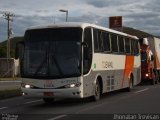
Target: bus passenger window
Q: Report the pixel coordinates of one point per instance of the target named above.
(98, 43)
(136, 47)
(127, 46)
(121, 44)
(106, 41)
(114, 43)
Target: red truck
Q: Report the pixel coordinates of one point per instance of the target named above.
(150, 59)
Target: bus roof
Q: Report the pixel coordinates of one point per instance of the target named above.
(80, 24)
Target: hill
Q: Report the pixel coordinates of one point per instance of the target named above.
(135, 32)
(3, 48)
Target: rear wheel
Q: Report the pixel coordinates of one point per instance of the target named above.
(97, 92)
(48, 100)
(157, 77)
(130, 84)
(154, 80)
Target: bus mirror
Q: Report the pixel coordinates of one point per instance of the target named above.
(19, 49)
(85, 44)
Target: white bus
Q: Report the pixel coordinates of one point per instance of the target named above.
(77, 60)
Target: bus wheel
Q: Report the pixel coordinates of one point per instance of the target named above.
(130, 84)
(48, 100)
(157, 77)
(153, 81)
(97, 92)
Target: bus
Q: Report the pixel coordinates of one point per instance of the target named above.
(77, 60)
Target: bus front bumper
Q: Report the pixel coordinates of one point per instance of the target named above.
(52, 93)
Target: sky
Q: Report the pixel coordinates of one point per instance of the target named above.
(139, 14)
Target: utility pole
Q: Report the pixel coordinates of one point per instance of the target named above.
(8, 16)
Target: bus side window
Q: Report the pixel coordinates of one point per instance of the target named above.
(121, 44)
(133, 46)
(136, 48)
(87, 50)
(98, 40)
(106, 41)
(127, 45)
(114, 43)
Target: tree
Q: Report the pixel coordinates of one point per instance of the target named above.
(3, 52)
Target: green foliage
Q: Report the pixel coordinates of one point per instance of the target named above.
(3, 52)
(3, 48)
(138, 33)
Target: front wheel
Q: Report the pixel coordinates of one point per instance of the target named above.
(97, 92)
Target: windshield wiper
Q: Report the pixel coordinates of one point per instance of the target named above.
(41, 65)
(57, 65)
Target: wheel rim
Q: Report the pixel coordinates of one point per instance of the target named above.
(97, 91)
(131, 83)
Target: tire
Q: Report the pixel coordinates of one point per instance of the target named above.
(97, 92)
(130, 87)
(157, 77)
(48, 100)
(153, 81)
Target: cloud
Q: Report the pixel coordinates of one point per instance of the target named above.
(109, 3)
(140, 14)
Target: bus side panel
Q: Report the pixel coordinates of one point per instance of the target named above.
(109, 69)
(113, 71)
(111, 80)
(132, 66)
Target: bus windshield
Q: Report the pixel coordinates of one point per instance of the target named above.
(52, 53)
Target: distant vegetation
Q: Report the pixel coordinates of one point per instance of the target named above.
(13, 41)
(3, 47)
(135, 32)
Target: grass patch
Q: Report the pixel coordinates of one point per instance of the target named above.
(10, 79)
(10, 93)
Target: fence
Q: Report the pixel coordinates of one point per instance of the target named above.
(9, 67)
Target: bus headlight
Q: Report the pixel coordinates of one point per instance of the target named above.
(26, 86)
(73, 85)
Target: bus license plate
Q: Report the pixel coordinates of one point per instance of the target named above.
(48, 94)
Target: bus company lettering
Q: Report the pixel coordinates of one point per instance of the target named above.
(49, 84)
(68, 81)
(107, 64)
